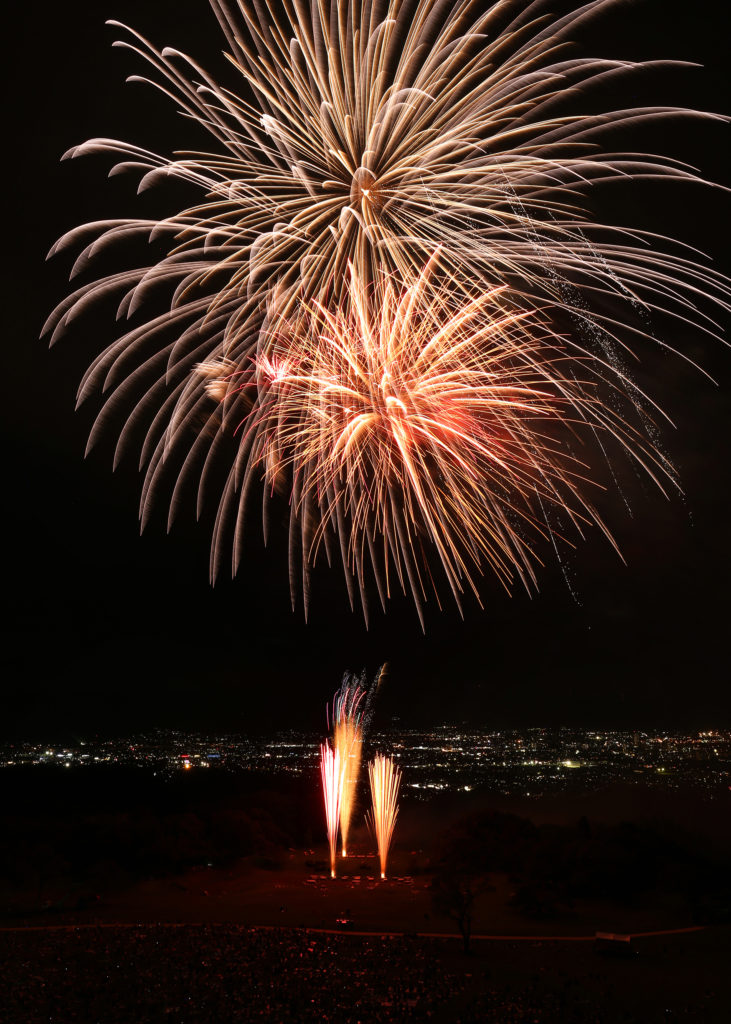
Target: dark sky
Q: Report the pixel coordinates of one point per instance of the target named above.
(105, 631)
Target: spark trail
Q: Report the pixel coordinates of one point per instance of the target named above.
(348, 707)
(385, 780)
(331, 776)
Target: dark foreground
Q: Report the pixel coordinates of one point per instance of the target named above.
(216, 973)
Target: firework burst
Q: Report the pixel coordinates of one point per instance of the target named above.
(418, 430)
(378, 132)
(385, 780)
(385, 137)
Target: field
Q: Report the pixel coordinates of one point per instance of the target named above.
(298, 893)
(202, 973)
(118, 906)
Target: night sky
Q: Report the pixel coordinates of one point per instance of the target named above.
(106, 632)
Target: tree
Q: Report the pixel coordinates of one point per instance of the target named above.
(454, 890)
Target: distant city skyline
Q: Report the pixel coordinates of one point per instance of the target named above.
(530, 762)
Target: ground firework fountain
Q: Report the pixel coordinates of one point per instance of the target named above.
(352, 710)
(348, 742)
(385, 781)
(331, 788)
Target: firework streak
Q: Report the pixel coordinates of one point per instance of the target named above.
(331, 788)
(385, 780)
(426, 423)
(387, 307)
(348, 742)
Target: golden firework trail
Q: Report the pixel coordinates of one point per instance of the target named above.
(332, 779)
(385, 781)
(348, 708)
(360, 143)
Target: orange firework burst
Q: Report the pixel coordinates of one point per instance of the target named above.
(348, 742)
(385, 781)
(419, 430)
(331, 789)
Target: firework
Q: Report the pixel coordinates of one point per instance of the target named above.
(415, 427)
(378, 132)
(331, 789)
(351, 717)
(385, 781)
(385, 137)
(348, 742)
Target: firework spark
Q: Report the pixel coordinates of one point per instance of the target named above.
(331, 789)
(348, 742)
(351, 718)
(378, 132)
(385, 781)
(384, 136)
(415, 427)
